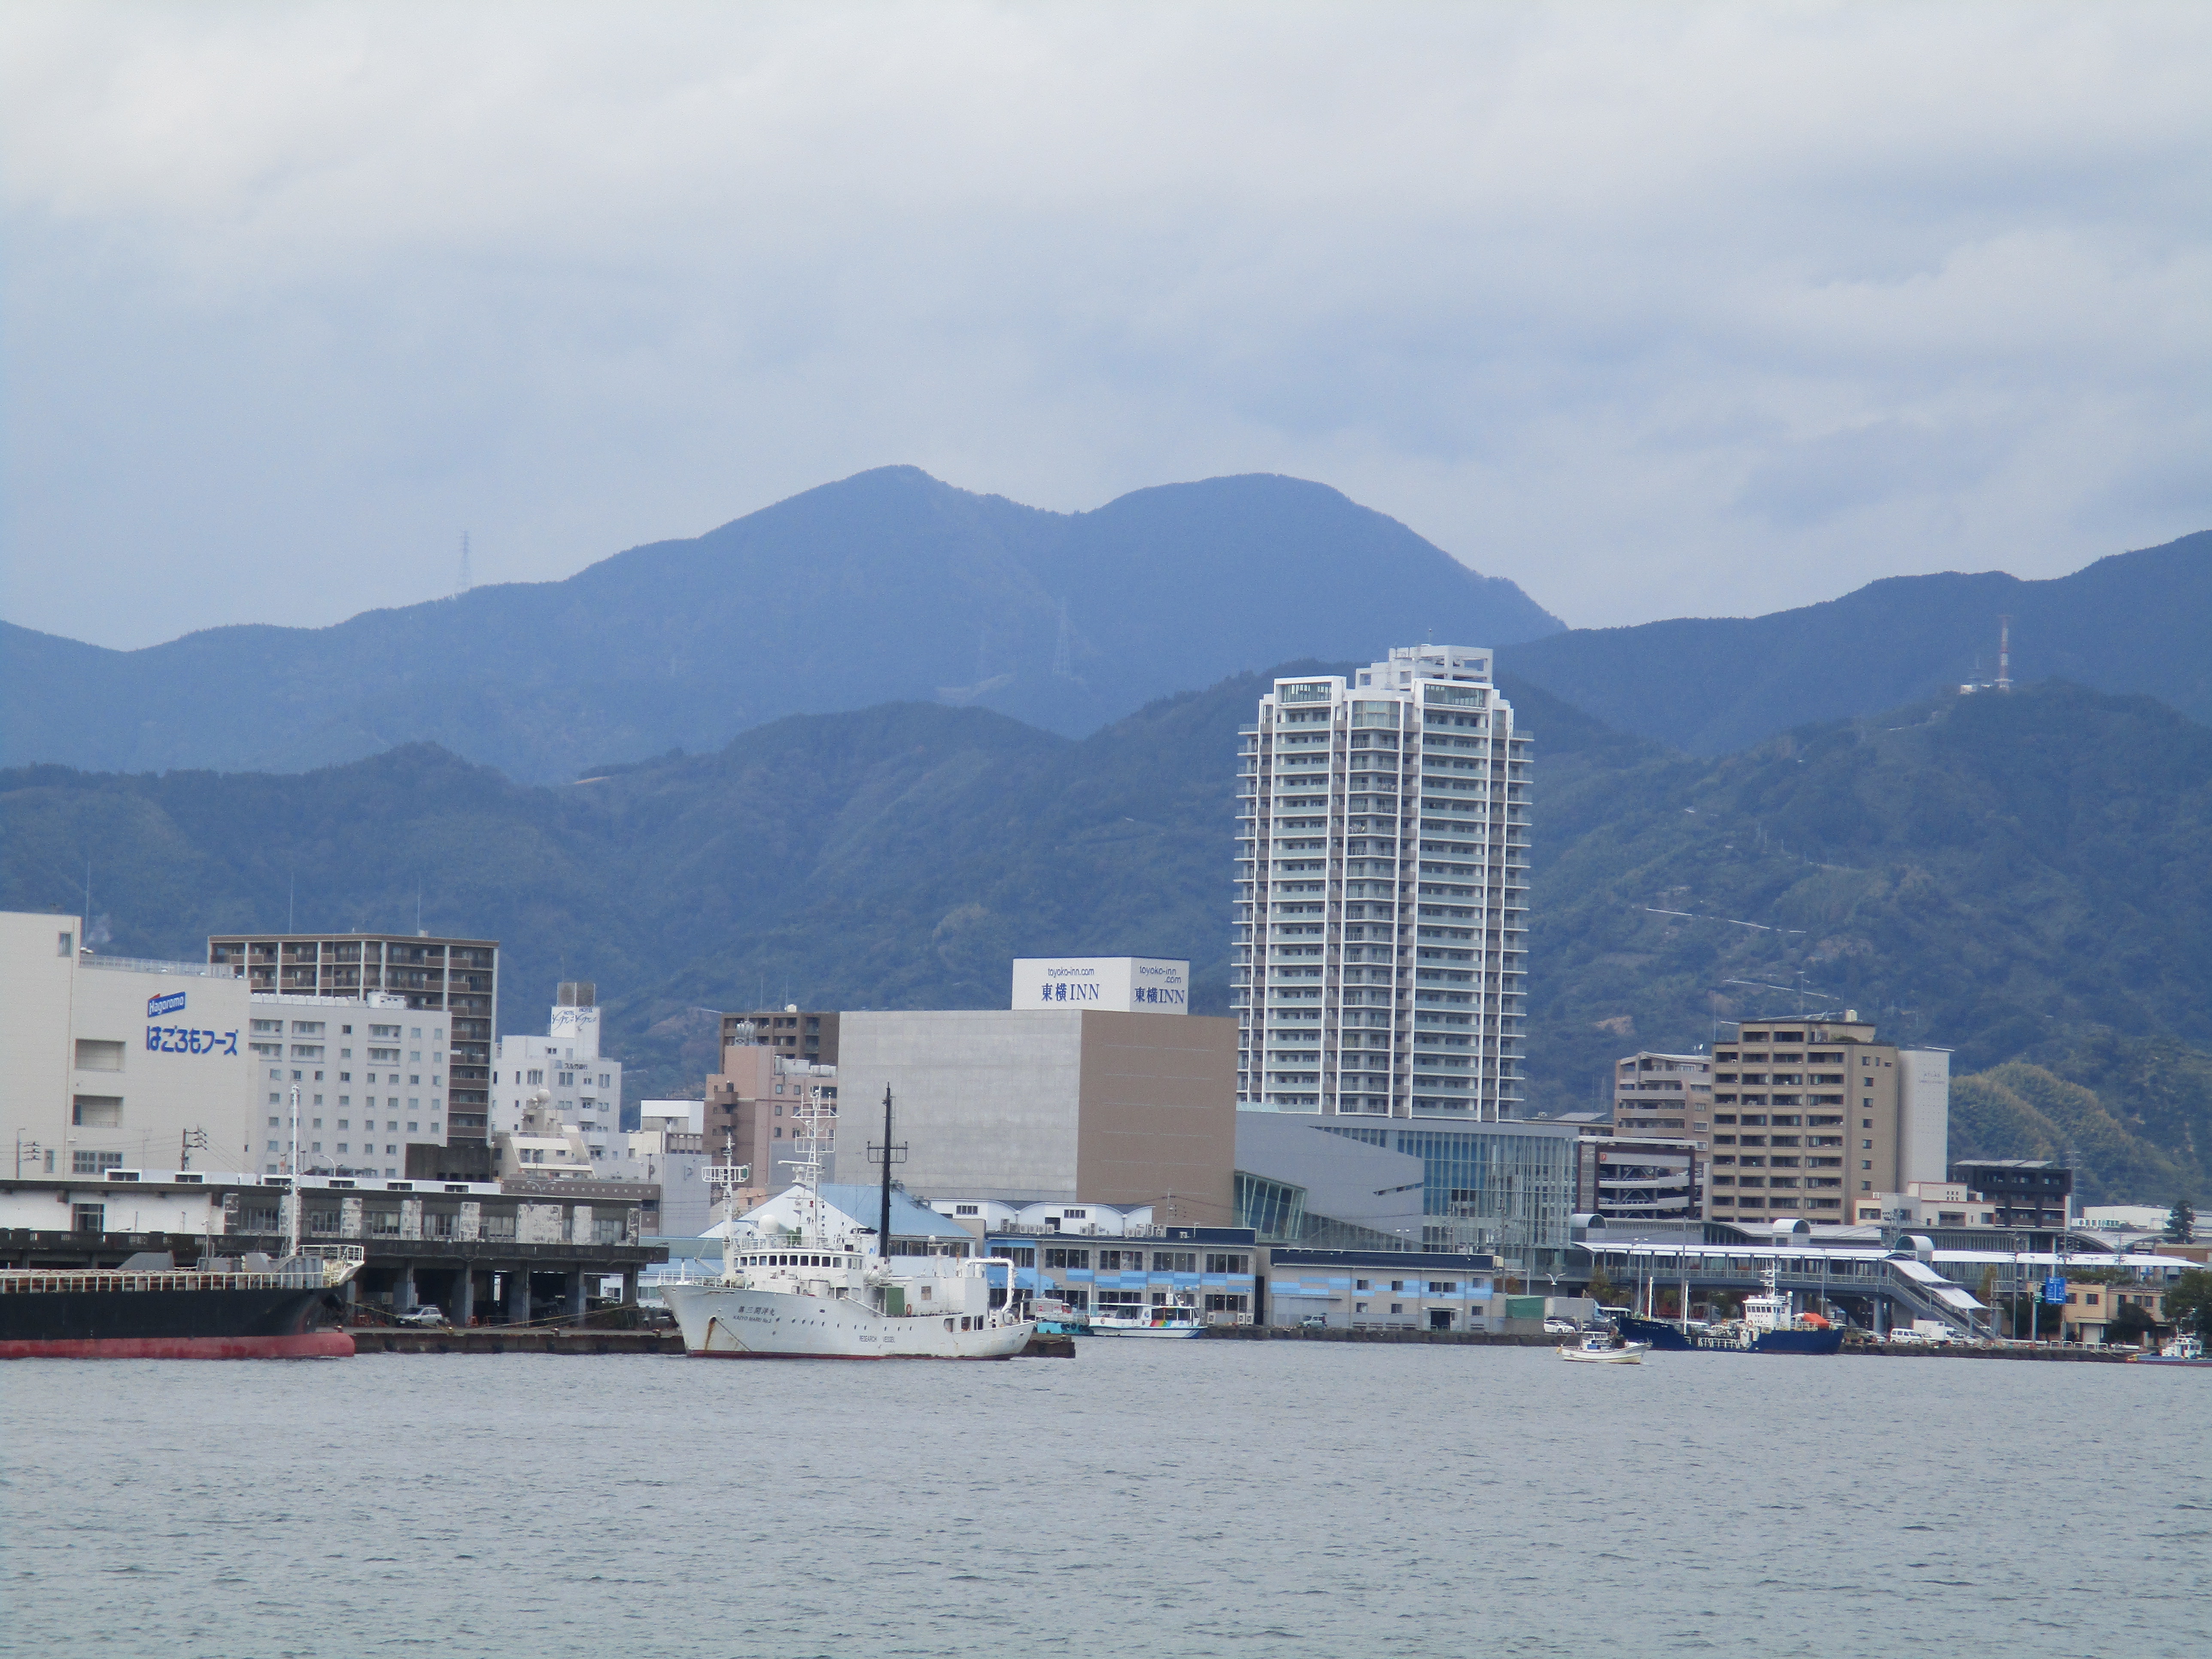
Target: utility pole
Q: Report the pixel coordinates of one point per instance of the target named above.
(188, 1142)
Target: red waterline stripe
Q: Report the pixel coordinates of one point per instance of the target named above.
(307, 1345)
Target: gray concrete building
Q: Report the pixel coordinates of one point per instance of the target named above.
(1034, 1104)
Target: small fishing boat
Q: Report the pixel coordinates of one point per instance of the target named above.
(1596, 1348)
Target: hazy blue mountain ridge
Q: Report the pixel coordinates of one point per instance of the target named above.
(885, 586)
(2134, 622)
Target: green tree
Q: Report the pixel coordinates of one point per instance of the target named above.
(2189, 1298)
(2181, 1222)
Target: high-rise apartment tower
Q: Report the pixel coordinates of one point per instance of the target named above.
(1380, 957)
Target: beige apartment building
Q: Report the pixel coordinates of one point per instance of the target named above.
(1811, 1116)
(1664, 1094)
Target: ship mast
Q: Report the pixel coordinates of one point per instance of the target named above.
(292, 1231)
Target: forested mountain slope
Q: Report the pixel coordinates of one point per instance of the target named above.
(2020, 878)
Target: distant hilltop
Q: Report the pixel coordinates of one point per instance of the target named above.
(888, 586)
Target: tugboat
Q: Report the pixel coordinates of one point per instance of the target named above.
(824, 1292)
(1768, 1326)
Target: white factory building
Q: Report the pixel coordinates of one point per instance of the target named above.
(112, 1062)
(1379, 961)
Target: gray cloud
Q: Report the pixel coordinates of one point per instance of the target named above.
(1657, 310)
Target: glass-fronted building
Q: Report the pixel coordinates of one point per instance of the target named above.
(1505, 1188)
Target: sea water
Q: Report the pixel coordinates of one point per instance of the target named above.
(1171, 1498)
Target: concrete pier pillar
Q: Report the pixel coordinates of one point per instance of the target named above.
(518, 1296)
(403, 1290)
(630, 1287)
(465, 1297)
(575, 1296)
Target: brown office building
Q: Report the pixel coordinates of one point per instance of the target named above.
(794, 1033)
(457, 977)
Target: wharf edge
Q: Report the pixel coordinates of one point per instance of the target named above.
(493, 1339)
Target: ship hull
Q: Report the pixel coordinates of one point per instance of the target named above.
(264, 1323)
(307, 1345)
(721, 1321)
(1669, 1339)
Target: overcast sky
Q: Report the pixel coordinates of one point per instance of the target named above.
(1656, 309)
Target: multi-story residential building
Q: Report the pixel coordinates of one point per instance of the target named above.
(1379, 960)
(1813, 1117)
(1665, 1094)
(584, 1086)
(807, 1035)
(751, 1114)
(371, 1075)
(2019, 1192)
(457, 978)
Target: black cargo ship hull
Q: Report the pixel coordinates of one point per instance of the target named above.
(261, 1323)
(1672, 1339)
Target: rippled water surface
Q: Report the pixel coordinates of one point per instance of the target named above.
(1148, 1497)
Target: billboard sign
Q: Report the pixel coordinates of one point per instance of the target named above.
(1127, 985)
(172, 1003)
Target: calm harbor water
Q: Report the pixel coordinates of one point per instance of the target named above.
(1145, 1498)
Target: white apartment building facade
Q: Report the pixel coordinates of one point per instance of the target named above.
(372, 1077)
(1379, 965)
(585, 1086)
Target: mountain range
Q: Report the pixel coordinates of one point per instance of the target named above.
(2019, 877)
(2134, 622)
(888, 586)
(892, 586)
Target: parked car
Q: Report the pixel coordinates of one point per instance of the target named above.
(1555, 1326)
(427, 1313)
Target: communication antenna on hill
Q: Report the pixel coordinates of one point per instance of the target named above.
(1063, 650)
(465, 582)
(2004, 654)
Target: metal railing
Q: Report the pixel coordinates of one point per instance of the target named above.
(147, 965)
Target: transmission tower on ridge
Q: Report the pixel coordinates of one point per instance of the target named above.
(466, 583)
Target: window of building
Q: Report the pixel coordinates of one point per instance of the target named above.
(88, 1218)
(1228, 1264)
(94, 1163)
(97, 1111)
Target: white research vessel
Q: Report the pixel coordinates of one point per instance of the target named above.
(822, 1290)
